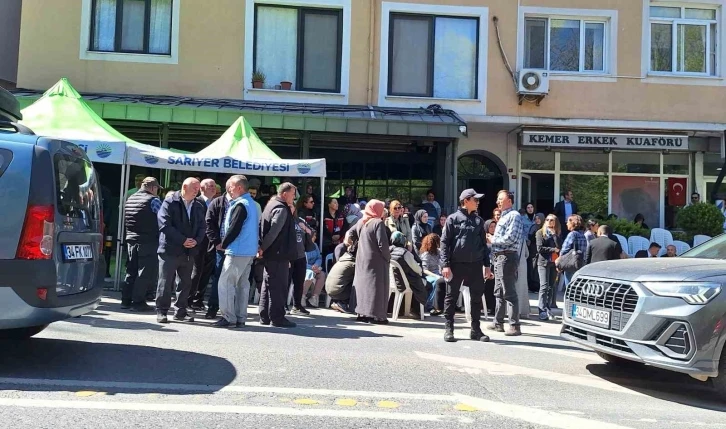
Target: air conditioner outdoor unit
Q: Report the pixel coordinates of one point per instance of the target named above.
(533, 82)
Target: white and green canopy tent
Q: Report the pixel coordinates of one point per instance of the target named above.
(238, 151)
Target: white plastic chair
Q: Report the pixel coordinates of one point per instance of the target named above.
(662, 237)
(700, 239)
(398, 299)
(637, 243)
(466, 293)
(328, 258)
(681, 247)
(623, 242)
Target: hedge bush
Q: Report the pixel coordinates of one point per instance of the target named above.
(626, 228)
(701, 218)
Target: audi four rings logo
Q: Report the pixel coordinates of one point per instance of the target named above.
(593, 289)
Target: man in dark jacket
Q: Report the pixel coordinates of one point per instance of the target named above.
(182, 228)
(463, 254)
(564, 209)
(214, 220)
(278, 249)
(205, 260)
(142, 241)
(602, 248)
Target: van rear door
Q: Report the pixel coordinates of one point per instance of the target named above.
(16, 160)
(78, 220)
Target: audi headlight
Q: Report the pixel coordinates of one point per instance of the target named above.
(696, 293)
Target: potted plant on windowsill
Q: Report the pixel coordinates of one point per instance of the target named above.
(286, 85)
(258, 79)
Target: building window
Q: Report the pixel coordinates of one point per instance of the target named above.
(683, 40)
(299, 45)
(565, 45)
(433, 56)
(131, 26)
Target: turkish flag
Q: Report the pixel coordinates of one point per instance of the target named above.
(677, 191)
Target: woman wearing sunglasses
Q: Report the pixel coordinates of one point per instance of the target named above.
(397, 221)
(549, 244)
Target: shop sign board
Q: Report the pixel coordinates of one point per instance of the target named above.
(615, 141)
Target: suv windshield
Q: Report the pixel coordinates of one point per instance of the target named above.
(712, 249)
(76, 187)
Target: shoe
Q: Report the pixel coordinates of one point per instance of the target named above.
(125, 305)
(449, 332)
(379, 322)
(284, 323)
(210, 315)
(221, 323)
(496, 327)
(478, 336)
(436, 313)
(239, 325)
(363, 319)
(337, 307)
(184, 317)
(551, 316)
(141, 307)
(299, 310)
(198, 307)
(544, 316)
(161, 318)
(265, 322)
(513, 331)
(313, 302)
(345, 307)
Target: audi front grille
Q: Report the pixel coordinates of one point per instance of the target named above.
(620, 298)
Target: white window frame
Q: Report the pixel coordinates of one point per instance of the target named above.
(87, 54)
(674, 23)
(585, 16)
(273, 95)
(474, 106)
(670, 78)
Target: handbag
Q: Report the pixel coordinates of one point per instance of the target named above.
(572, 261)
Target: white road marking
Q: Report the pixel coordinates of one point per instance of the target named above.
(535, 416)
(218, 409)
(162, 387)
(496, 368)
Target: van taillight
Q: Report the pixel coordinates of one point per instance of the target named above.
(36, 240)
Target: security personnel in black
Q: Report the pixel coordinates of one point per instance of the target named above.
(278, 249)
(142, 240)
(463, 254)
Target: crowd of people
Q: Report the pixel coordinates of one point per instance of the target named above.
(175, 246)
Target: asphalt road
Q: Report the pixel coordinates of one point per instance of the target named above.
(115, 369)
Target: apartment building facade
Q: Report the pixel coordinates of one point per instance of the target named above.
(400, 96)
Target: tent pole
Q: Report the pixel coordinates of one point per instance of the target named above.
(125, 171)
(322, 215)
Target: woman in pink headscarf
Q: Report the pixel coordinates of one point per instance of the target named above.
(371, 265)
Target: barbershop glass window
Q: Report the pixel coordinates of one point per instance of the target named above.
(584, 161)
(636, 162)
(676, 163)
(538, 160)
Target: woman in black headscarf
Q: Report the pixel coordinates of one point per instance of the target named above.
(420, 229)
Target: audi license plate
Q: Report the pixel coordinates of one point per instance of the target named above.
(77, 252)
(591, 316)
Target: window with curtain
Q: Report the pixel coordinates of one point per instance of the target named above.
(299, 45)
(565, 45)
(131, 26)
(683, 40)
(433, 56)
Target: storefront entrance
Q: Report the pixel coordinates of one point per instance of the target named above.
(482, 173)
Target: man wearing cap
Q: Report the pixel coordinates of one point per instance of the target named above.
(506, 244)
(463, 254)
(142, 239)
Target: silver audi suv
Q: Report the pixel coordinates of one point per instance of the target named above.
(665, 312)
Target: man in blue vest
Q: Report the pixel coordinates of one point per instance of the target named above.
(240, 244)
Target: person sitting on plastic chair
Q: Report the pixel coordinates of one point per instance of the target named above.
(412, 270)
(314, 273)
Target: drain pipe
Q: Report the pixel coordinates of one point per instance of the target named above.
(371, 48)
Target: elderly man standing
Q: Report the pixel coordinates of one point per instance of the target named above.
(142, 240)
(506, 244)
(182, 228)
(240, 244)
(205, 259)
(278, 250)
(215, 231)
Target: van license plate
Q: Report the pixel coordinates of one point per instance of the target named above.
(591, 316)
(77, 252)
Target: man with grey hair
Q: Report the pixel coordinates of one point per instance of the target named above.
(278, 250)
(240, 244)
(142, 239)
(205, 259)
